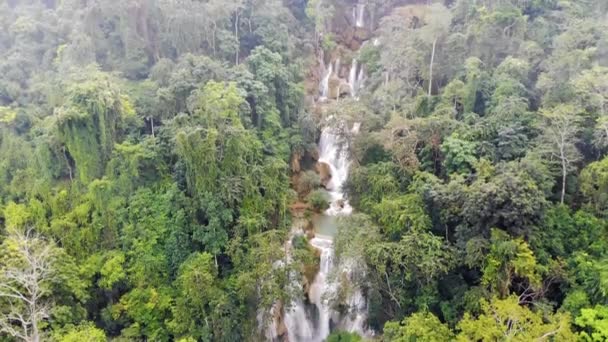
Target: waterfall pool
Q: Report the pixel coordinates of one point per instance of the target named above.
(325, 225)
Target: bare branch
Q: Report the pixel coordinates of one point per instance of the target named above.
(24, 278)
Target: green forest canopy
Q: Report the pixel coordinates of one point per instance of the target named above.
(146, 167)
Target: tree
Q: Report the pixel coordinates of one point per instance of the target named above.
(401, 215)
(591, 88)
(420, 327)
(368, 184)
(574, 51)
(89, 122)
(594, 322)
(590, 274)
(594, 186)
(197, 283)
(267, 68)
(459, 154)
(83, 333)
(26, 272)
(408, 267)
(560, 129)
(308, 181)
(563, 232)
(506, 260)
(437, 27)
(505, 319)
(506, 197)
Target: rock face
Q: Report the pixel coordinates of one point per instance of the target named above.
(295, 162)
(334, 87)
(280, 322)
(324, 172)
(354, 25)
(314, 153)
(345, 89)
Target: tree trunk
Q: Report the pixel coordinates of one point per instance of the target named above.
(213, 38)
(236, 35)
(152, 126)
(564, 174)
(34, 311)
(35, 333)
(431, 67)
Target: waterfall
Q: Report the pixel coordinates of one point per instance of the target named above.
(321, 288)
(314, 319)
(324, 86)
(299, 326)
(335, 155)
(356, 78)
(314, 322)
(360, 79)
(359, 15)
(352, 78)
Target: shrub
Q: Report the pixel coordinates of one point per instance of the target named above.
(308, 182)
(319, 200)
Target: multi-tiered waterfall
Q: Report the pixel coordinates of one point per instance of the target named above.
(317, 325)
(312, 318)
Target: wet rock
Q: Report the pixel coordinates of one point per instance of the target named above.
(345, 89)
(334, 87)
(310, 234)
(361, 34)
(280, 321)
(309, 228)
(324, 172)
(314, 153)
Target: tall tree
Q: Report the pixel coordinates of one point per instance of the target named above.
(437, 27)
(561, 125)
(26, 272)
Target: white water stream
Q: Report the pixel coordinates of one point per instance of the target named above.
(314, 319)
(359, 15)
(356, 77)
(333, 153)
(324, 86)
(303, 325)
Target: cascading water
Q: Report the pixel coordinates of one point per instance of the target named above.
(360, 78)
(299, 325)
(332, 153)
(359, 15)
(352, 78)
(302, 324)
(356, 77)
(321, 287)
(324, 86)
(314, 319)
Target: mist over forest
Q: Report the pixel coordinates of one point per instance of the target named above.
(303, 170)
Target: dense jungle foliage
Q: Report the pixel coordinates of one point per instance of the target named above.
(146, 163)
